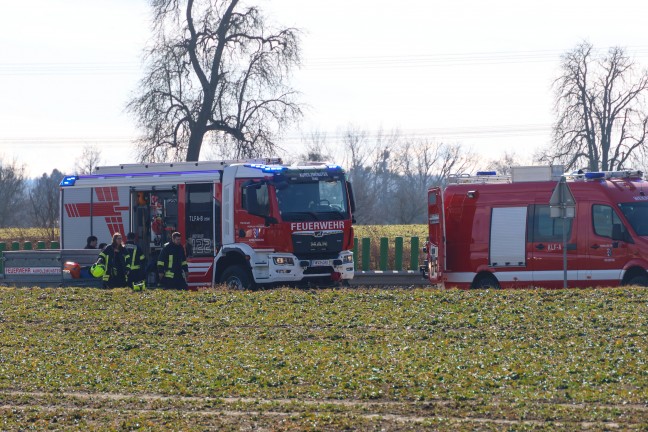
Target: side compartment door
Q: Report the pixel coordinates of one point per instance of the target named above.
(200, 220)
(436, 236)
(507, 237)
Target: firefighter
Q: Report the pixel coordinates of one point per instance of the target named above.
(135, 262)
(113, 257)
(172, 264)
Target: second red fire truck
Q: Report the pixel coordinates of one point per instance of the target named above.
(497, 231)
(247, 223)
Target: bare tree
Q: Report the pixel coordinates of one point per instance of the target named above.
(601, 120)
(390, 174)
(89, 160)
(44, 198)
(12, 187)
(316, 147)
(503, 165)
(368, 160)
(216, 71)
(421, 164)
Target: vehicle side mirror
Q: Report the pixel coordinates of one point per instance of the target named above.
(617, 234)
(621, 234)
(351, 197)
(252, 204)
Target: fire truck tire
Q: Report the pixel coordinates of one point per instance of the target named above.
(486, 281)
(639, 280)
(237, 278)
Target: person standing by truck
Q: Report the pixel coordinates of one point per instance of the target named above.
(113, 257)
(91, 242)
(172, 264)
(135, 261)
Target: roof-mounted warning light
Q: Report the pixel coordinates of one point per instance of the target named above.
(272, 169)
(636, 174)
(486, 173)
(69, 180)
(594, 175)
(334, 169)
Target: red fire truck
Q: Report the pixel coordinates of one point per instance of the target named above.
(246, 223)
(496, 231)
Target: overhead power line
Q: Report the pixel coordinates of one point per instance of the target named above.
(321, 63)
(337, 136)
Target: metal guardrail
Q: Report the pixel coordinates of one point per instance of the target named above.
(45, 268)
(388, 278)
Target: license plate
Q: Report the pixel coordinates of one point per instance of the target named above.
(319, 263)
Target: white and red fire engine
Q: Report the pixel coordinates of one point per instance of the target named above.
(497, 231)
(245, 223)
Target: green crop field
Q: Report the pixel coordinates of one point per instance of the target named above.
(345, 359)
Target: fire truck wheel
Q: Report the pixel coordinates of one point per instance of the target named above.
(639, 280)
(486, 281)
(237, 278)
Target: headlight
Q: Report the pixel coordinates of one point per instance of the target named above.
(346, 259)
(283, 261)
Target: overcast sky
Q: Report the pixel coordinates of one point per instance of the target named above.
(466, 71)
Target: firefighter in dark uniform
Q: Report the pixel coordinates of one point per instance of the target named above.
(135, 261)
(172, 264)
(113, 258)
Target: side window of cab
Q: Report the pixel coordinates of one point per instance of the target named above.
(255, 198)
(606, 223)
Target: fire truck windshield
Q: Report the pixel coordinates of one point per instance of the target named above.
(637, 215)
(322, 199)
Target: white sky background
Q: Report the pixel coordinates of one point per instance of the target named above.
(468, 71)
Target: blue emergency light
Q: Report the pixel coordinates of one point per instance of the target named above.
(272, 169)
(69, 181)
(594, 175)
(486, 173)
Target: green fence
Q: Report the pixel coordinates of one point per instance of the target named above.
(385, 255)
(28, 245)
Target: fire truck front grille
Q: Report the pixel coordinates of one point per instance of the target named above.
(317, 244)
(318, 270)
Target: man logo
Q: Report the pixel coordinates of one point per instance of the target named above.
(318, 234)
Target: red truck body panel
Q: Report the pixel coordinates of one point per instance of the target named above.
(503, 232)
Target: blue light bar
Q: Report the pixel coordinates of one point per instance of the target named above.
(334, 169)
(486, 173)
(267, 168)
(594, 175)
(68, 181)
(147, 174)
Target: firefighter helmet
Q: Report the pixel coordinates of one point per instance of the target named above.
(139, 286)
(97, 270)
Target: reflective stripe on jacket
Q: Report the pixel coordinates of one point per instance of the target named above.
(115, 262)
(134, 256)
(172, 261)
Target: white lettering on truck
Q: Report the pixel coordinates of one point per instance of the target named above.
(316, 226)
(32, 270)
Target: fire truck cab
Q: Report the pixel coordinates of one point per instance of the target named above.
(496, 231)
(245, 223)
